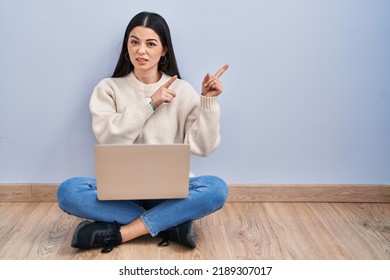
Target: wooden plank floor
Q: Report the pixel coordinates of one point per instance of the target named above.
(282, 231)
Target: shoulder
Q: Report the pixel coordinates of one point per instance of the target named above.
(111, 82)
(110, 87)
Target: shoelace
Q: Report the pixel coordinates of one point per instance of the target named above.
(174, 234)
(164, 242)
(105, 240)
(169, 234)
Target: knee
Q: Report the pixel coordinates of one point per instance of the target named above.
(64, 192)
(219, 191)
(67, 191)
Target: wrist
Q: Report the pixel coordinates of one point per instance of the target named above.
(208, 102)
(151, 104)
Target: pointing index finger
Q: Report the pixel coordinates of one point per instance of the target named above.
(170, 82)
(221, 71)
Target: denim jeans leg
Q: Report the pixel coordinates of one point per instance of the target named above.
(78, 196)
(207, 194)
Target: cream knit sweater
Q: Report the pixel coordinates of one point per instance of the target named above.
(121, 114)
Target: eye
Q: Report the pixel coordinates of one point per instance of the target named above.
(134, 42)
(151, 44)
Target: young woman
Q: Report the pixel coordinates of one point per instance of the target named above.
(145, 101)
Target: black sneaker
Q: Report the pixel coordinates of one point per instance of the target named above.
(97, 234)
(183, 234)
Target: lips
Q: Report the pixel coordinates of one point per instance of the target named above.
(141, 60)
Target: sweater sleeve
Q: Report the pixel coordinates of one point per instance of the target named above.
(111, 126)
(202, 126)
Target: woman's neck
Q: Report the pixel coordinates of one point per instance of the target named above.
(147, 77)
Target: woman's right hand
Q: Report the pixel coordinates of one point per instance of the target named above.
(164, 94)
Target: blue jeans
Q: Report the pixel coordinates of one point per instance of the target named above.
(78, 196)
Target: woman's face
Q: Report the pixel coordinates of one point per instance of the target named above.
(145, 50)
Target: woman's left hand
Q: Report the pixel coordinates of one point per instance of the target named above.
(211, 85)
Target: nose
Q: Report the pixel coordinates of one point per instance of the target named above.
(141, 49)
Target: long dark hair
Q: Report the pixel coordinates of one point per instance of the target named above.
(160, 26)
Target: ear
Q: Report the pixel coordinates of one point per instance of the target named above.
(165, 50)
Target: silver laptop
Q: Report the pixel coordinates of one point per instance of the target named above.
(140, 171)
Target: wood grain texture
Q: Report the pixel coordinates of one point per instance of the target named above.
(15, 192)
(44, 192)
(245, 231)
(237, 193)
(34, 231)
(309, 193)
(28, 192)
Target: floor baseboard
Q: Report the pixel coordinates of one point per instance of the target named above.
(309, 193)
(237, 193)
(28, 192)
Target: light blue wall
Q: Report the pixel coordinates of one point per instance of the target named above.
(306, 100)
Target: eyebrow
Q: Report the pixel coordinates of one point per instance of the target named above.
(132, 36)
